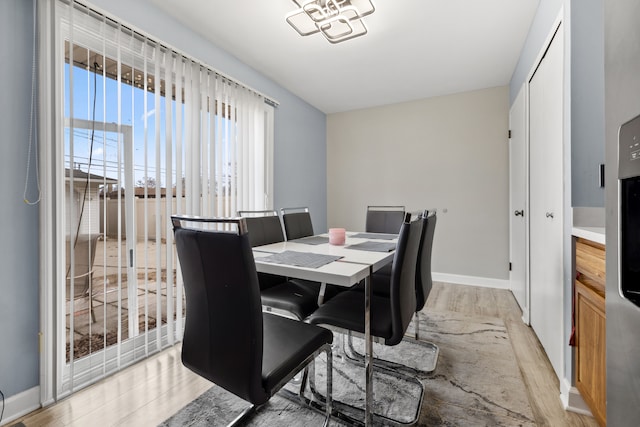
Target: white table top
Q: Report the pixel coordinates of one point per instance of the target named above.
(347, 271)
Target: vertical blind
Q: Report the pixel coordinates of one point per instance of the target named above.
(144, 132)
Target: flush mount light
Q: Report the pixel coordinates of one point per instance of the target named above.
(336, 20)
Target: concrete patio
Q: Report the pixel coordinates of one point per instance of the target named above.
(110, 286)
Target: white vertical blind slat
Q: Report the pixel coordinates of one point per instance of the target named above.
(145, 202)
(71, 214)
(158, 179)
(188, 146)
(120, 175)
(204, 154)
(233, 151)
(168, 180)
(197, 138)
(213, 154)
(219, 148)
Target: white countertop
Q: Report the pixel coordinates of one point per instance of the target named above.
(595, 234)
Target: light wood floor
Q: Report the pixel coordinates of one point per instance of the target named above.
(149, 392)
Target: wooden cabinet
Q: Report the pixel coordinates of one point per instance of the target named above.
(590, 322)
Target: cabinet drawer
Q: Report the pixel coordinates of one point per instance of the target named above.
(590, 262)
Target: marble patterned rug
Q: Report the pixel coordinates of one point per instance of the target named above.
(476, 382)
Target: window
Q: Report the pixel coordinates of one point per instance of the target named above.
(142, 132)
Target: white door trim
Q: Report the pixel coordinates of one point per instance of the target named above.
(519, 256)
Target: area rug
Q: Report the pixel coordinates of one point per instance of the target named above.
(476, 382)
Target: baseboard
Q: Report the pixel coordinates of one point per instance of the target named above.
(525, 316)
(572, 400)
(21, 404)
(484, 282)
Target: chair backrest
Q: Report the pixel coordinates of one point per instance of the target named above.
(297, 223)
(264, 227)
(403, 278)
(384, 219)
(223, 335)
(84, 253)
(424, 282)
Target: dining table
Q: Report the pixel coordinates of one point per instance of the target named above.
(314, 258)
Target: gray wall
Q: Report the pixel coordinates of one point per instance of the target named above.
(622, 102)
(19, 263)
(586, 91)
(449, 153)
(587, 102)
(300, 165)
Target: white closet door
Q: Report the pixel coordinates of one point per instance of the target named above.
(517, 203)
(545, 184)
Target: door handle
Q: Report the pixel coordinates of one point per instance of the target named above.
(519, 213)
(549, 214)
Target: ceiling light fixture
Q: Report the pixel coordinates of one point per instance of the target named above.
(337, 20)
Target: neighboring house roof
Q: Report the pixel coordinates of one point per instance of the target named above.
(79, 175)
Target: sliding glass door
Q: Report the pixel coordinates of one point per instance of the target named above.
(138, 132)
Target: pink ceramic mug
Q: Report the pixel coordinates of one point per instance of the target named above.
(337, 236)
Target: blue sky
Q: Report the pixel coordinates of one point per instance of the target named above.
(132, 113)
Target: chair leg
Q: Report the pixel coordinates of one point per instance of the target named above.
(242, 418)
(303, 382)
(308, 375)
(429, 346)
(329, 401)
(348, 420)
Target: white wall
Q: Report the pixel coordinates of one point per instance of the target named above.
(448, 153)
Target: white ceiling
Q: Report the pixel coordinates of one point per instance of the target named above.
(414, 49)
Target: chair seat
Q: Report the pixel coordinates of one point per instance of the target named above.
(347, 311)
(330, 290)
(296, 298)
(299, 297)
(380, 284)
(267, 280)
(287, 343)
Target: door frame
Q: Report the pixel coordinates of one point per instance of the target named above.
(520, 165)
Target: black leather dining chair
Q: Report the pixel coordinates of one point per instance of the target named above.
(228, 339)
(389, 316)
(423, 286)
(297, 222)
(294, 297)
(264, 228)
(384, 219)
(388, 220)
(424, 281)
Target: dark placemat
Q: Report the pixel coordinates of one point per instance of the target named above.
(373, 246)
(381, 236)
(300, 259)
(312, 240)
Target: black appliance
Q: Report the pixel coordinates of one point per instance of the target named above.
(629, 223)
